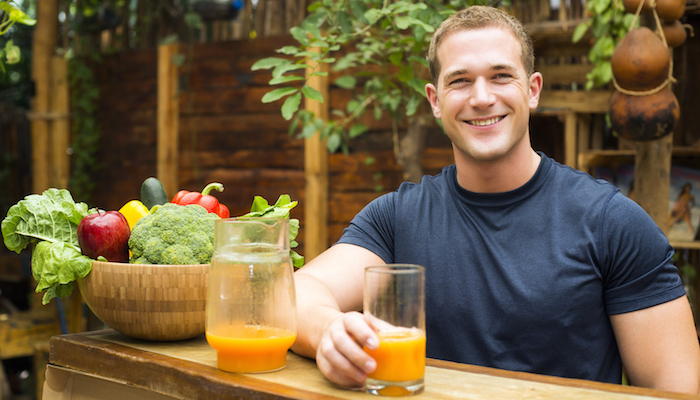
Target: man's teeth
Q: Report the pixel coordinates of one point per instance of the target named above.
(485, 122)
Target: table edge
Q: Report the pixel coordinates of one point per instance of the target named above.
(206, 382)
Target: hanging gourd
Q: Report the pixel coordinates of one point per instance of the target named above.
(640, 61)
(644, 118)
(631, 6)
(674, 32)
(670, 10)
(643, 106)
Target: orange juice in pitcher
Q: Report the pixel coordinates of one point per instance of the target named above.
(251, 302)
(252, 349)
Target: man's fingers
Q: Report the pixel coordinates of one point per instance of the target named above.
(357, 325)
(336, 367)
(340, 355)
(348, 342)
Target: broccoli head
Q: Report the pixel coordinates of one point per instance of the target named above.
(174, 234)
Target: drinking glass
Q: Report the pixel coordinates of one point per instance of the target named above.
(394, 305)
(251, 302)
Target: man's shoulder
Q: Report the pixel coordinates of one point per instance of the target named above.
(430, 183)
(579, 181)
(412, 196)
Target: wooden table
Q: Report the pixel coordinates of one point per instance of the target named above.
(107, 365)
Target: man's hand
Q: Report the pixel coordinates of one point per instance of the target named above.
(340, 356)
(329, 326)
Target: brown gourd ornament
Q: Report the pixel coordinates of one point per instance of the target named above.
(640, 61)
(670, 10)
(631, 6)
(674, 32)
(646, 117)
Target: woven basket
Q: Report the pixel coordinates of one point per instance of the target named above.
(149, 302)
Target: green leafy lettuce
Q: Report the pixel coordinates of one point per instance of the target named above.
(49, 220)
(281, 209)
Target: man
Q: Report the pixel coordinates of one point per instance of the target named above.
(530, 265)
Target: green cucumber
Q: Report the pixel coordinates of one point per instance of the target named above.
(153, 193)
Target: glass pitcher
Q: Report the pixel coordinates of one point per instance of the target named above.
(251, 302)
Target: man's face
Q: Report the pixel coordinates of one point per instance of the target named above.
(483, 95)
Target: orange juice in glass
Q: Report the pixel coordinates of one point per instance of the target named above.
(251, 302)
(394, 307)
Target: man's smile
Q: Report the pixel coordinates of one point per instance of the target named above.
(485, 122)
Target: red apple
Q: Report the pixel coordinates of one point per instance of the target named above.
(105, 234)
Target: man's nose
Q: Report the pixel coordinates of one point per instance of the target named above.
(482, 95)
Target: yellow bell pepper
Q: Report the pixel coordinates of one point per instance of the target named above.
(133, 211)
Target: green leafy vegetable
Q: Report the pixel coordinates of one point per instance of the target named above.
(51, 221)
(55, 265)
(281, 209)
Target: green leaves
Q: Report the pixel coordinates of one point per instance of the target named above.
(291, 105)
(269, 62)
(608, 24)
(311, 93)
(346, 82)
(51, 216)
(55, 266)
(12, 14)
(281, 209)
(51, 221)
(277, 94)
(9, 15)
(383, 46)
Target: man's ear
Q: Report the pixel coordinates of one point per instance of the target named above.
(535, 89)
(431, 94)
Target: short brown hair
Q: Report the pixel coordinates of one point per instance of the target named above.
(477, 17)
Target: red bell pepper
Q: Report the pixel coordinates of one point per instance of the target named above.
(204, 199)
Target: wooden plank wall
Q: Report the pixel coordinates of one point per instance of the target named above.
(228, 135)
(127, 116)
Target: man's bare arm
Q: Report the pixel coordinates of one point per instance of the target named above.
(329, 328)
(659, 346)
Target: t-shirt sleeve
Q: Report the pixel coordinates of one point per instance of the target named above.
(638, 270)
(373, 228)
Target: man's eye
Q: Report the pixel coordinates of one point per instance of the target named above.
(503, 76)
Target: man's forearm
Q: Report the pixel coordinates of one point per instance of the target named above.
(316, 310)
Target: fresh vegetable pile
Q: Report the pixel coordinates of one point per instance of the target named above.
(68, 236)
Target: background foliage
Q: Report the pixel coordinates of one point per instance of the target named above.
(378, 47)
(608, 22)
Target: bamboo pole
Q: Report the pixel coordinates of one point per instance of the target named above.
(43, 46)
(168, 119)
(316, 172)
(59, 127)
(570, 142)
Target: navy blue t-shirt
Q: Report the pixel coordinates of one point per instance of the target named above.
(524, 280)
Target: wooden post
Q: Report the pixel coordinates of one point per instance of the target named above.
(570, 140)
(652, 178)
(168, 119)
(316, 172)
(43, 47)
(59, 126)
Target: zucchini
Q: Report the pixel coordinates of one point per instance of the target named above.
(153, 193)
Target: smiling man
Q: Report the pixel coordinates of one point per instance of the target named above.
(530, 265)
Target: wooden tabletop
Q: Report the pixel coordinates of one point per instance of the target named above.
(187, 370)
